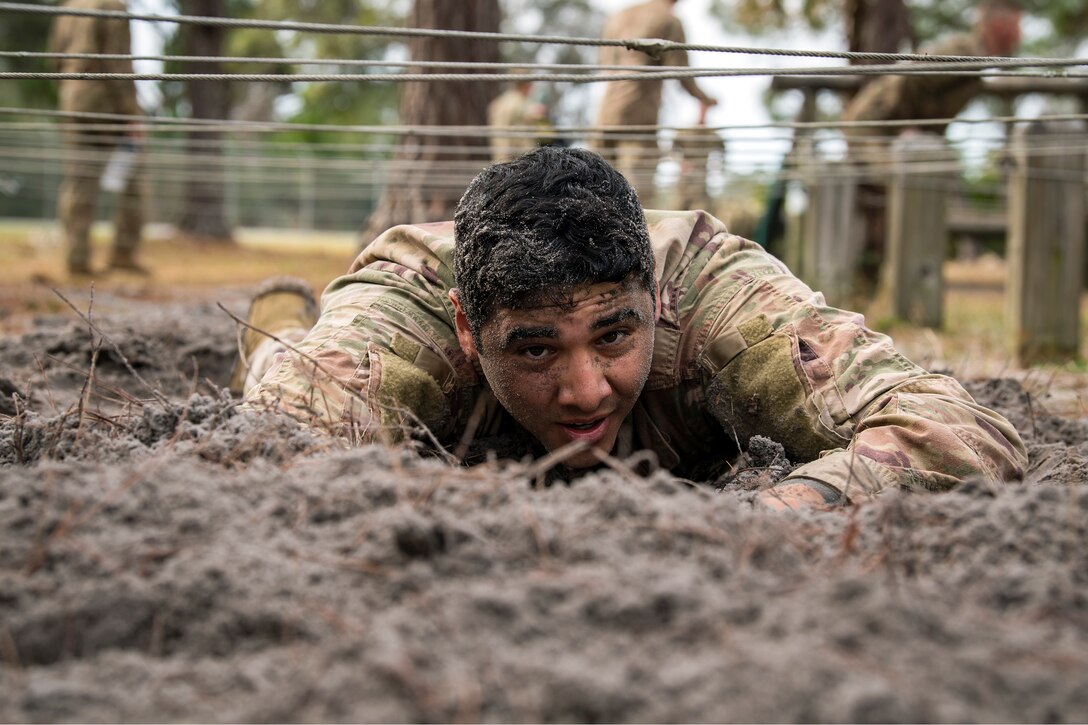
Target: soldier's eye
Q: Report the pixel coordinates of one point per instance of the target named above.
(535, 352)
(613, 336)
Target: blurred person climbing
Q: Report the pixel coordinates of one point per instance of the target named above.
(97, 158)
(637, 103)
(996, 32)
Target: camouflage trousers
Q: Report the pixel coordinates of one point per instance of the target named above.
(87, 153)
(267, 353)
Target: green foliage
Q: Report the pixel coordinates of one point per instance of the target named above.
(765, 16)
(567, 103)
(29, 33)
(334, 103)
(312, 103)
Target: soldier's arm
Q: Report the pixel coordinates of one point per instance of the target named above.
(836, 394)
(675, 33)
(114, 37)
(377, 364)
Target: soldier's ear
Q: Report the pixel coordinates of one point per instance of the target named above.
(460, 323)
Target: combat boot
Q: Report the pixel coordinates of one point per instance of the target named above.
(79, 258)
(124, 261)
(80, 269)
(280, 304)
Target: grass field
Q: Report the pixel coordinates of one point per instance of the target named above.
(32, 262)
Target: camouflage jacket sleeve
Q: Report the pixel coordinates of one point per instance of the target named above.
(383, 356)
(780, 363)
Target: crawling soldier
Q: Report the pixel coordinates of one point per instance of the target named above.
(553, 307)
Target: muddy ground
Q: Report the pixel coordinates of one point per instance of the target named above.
(166, 557)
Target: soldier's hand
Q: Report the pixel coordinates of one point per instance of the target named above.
(798, 493)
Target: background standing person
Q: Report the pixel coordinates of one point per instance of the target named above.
(636, 103)
(88, 150)
(515, 107)
(996, 32)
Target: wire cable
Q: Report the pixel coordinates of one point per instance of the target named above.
(977, 70)
(222, 125)
(652, 46)
(981, 63)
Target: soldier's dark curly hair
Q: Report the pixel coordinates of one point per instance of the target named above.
(531, 230)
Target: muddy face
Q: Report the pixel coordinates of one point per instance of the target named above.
(573, 371)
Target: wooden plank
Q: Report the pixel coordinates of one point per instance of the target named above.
(923, 175)
(802, 152)
(1046, 242)
(832, 233)
(963, 219)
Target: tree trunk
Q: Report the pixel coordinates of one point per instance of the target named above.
(877, 26)
(204, 215)
(428, 174)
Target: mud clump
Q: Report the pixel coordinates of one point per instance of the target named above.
(167, 556)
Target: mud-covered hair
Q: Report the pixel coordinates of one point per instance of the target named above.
(531, 230)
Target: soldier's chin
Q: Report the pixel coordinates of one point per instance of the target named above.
(585, 459)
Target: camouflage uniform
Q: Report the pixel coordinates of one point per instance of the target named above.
(512, 108)
(636, 103)
(88, 150)
(742, 348)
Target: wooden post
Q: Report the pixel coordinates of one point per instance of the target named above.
(802, 153)
(917, 228)
(1046, 242)
(832, 235)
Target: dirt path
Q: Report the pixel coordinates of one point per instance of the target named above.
(174, 559)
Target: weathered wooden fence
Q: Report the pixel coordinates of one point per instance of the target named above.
(1046, 242)
(1045, 223)
(917, 228)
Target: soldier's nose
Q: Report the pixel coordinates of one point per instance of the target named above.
(584, 385)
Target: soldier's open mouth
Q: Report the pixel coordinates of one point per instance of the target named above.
(590, 431)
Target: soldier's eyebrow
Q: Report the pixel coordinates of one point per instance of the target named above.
(526, 333)
(627, 313)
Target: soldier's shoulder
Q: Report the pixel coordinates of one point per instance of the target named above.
(954, 44)
(683, 234)
(411, 245)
